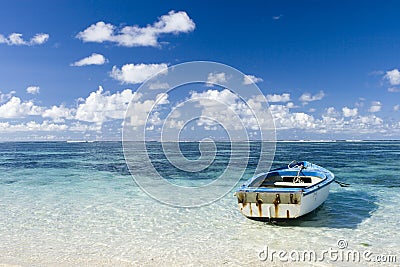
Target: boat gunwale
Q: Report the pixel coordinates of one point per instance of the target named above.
(327, 180)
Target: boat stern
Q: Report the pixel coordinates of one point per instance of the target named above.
(262, 205)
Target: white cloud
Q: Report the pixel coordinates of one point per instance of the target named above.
(285, 120)
(291, 105)
(227, 109)
(348, 112)
(214, 103)
(331, 111)
(162, 99)
(6, 97)
(133, 74)
(16, 39)
(331, 121)
(224, 96)
(375, 106)
(98, 33)
(173, 22)
(82, 127)
(101, 106)
(15, 108)
(58, 113)
(139, 111)
(32, 126)
(33, 90)
(369, 121)
(307, 97)
(98, 108)
(250, 79)
(216, 78)
(279, 98)
(93, 59)
(393, 76)
(158, 85)
(39, 38)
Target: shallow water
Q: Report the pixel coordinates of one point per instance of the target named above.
(76, 204)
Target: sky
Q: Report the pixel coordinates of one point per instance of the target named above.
(70, 69)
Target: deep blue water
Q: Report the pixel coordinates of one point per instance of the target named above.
(368, 163)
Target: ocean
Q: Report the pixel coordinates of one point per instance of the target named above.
(76, 204)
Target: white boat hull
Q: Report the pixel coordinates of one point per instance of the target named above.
(282, 205)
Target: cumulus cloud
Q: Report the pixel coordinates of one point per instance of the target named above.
(98, 107)
(90, 114)
(39, 38)
(375, 106)
(284, 119)
(331, 121)
(139, 111)
(16, 39)
(93, 59)
(33, 90)
(216, 78)
(348, 112)
(307, 97)
(158, 85)
(229, 110)
(15, 108)
(101, 106)
(249, 79)
(279, 98)
(6, 97)
(84, 127)
(32, 126)
(58, 113)
(393, 76)
(98, 33)
(214, 104)
(291, 105)
(134, 74)
(130, 36)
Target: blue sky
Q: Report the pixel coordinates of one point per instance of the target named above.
(330, 69)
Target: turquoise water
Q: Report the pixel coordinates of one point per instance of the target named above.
(76, 204)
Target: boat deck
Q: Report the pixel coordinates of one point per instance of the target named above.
(290, 181)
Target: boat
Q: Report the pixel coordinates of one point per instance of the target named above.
(285, 193)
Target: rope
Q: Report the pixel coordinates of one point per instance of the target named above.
(341, 183)
(297, 178)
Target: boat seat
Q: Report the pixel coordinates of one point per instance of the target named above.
(304, 179)
(290, 184)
